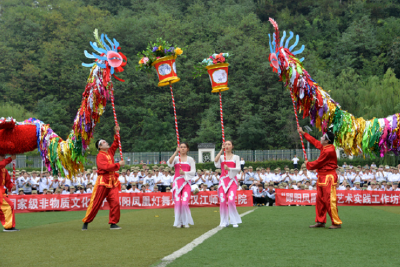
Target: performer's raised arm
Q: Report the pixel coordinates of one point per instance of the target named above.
(6, 161)
(115, 144)
(319, 163)
(310, 139)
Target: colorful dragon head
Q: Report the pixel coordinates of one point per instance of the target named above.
(279, 56)
(109, 59)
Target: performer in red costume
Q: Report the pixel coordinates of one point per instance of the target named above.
(7, 216)
(326, 166)
(107, 184)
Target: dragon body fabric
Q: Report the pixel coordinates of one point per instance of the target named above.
(354, 135)
(67, 157)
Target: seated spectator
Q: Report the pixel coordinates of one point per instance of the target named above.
(293, 185)
(72, 190)
(58, 191)
(81, 190)
(342, 186)
(168, 189)
(123, 189)
(357, 186)
(34, 192)
(13, 191)
(388, 187)
(50, 191)
(134, 188)
(396, 187)
(308, 185)
(66, 190)
(21, 192)
(204, 187)
(89, 187)
(147, 188)
(258, 196)
(155, 189)
(270, 195)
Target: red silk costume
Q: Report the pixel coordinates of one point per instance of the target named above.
(326, 166)
(7, 216)
(107, 186)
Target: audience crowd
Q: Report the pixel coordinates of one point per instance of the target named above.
(262, 181)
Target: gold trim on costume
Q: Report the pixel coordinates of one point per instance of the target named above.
(90, 207)
(7, 211)
(327, 179)
(333, 203)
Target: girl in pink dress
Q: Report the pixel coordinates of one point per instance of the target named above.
(228, 185)
(181, 186)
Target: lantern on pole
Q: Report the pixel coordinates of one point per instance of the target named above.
(217, 69)
(161, 55)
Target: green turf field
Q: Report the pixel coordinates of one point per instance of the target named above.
(269, 236)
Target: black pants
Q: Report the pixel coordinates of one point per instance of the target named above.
(242, 167)
(259, 200)
(295, 166)
(164, 188)
(271, 201)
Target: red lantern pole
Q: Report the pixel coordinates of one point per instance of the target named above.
(116, 123)
(176, 124)
(13, 177)
(222, 122)
(298, 126)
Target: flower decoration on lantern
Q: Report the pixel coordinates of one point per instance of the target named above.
(216, 66)
(161, 55)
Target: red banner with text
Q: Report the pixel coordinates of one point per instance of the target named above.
(286, 197)
(32, 203)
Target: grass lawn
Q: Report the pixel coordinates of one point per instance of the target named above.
(279, 236)
(56, 239)
(269, 236)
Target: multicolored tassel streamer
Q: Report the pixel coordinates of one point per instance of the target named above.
(298, 125)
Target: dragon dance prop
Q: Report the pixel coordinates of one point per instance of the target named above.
(217, 69)
(355, 136)
(161, 55)
(67, 157)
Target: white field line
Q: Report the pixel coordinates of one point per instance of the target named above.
(170, 258)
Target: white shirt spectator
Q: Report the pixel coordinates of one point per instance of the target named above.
(276, 177)
(44, 183)
(149, 180)
(215, 179)
(20, 182)
(167, 180)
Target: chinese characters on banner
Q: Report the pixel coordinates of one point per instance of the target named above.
(344, 197)
(29, 203)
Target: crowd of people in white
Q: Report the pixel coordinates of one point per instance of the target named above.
(262, 181)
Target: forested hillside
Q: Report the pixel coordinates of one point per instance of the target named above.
(352, 50)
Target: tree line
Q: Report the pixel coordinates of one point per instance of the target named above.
(352, 51)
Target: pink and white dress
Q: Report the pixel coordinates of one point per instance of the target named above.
(227, 189)
(181, 190)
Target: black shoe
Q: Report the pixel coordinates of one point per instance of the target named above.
(114, 227)
(11, 230)
(84, 227)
